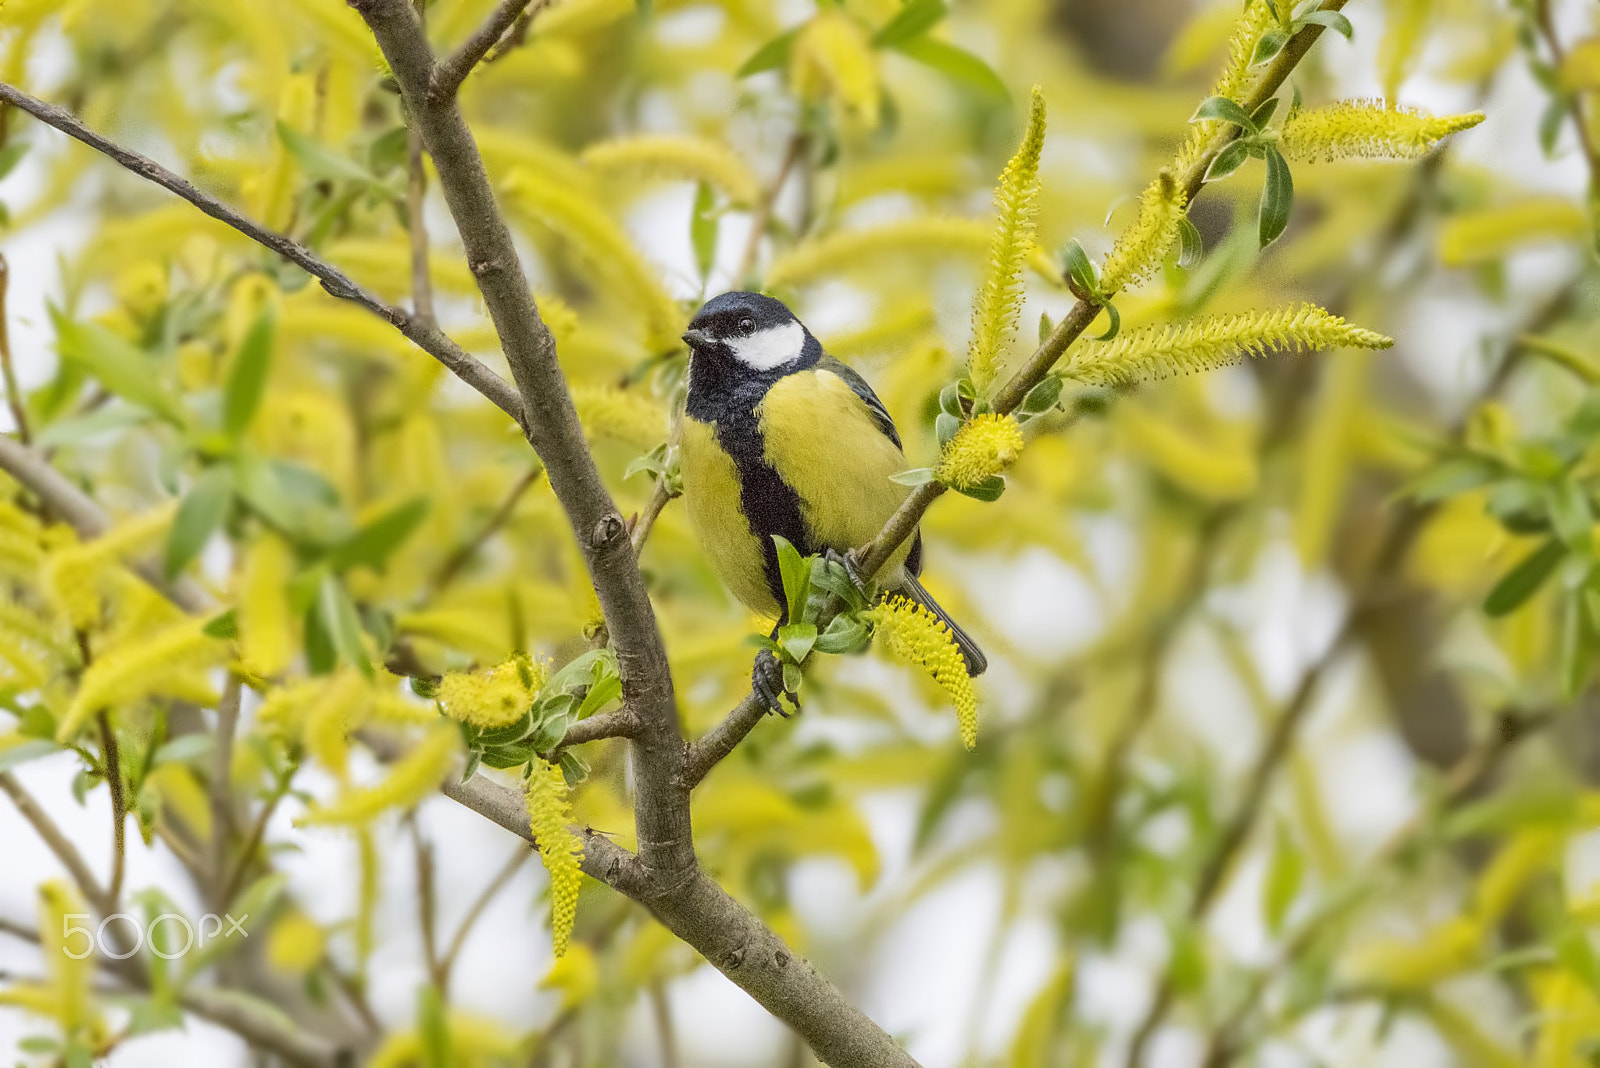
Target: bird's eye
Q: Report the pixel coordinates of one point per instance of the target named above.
(747, 326)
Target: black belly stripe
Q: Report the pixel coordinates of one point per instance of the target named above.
(770, 505)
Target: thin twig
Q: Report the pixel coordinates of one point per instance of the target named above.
(19, 411)
(119, 807)
(453, 70)
(258, 831)
(761, 217)
(427, 904)
(652, 512)
(416, 225)
(622, 723)
(221, 791)
(58, 843)
(451, 568)
(427, 337)
(705, 752)
(666, 1035)
(1591, 151)
(447, 962)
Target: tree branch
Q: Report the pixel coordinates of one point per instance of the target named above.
(427, 337)
(707, 750)
(872, 556)
(8, 373)
(453, 71)
(619, 724)
(119, 806)
(83, 515)
(58, 843)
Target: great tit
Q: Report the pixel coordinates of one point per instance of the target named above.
(780, 438)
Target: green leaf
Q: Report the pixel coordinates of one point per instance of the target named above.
(914, 477)
(796, 640)
(795, 571)
(1284, 874)
(372, 544)
(1220, 108)
(201, 513)
(957, 64)
(1270, 45)
(602, 693)
(241, 397)
(916, 18)
(703, 224)
(1113, 322)
(343, 625)
(295, 499)
(1577, 645)
(118, 365)
(1524, 580)
(1263, 114)
(1571, 515)
(1046, 326)
(183, 749)
(1333, 20)
(945, 426)
(1577, 955)
(1230, 159)
(1190, 246)
(989, 489)
(1042, 397)
(845, 634)
(770, 56)
(1076, 266)
(318, 161)
(21, 754)
(433, 1028)
(224, 626)
(1451, 478)
(86, 427)
(950, 400)
(11, 154)
(792, 678)
(574, 768)
(1277, 198)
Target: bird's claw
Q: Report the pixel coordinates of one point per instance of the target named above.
(846, 560)
(766, 682)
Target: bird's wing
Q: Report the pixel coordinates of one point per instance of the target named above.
(859, 387)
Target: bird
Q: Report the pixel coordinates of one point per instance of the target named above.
(779, 438)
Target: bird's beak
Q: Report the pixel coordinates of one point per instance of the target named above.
(696, 337)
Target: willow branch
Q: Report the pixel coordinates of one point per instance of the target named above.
(872, 556)
(447, 962)
(502, 515)
(8, 373)
(426, 336)
(111, 753)
(619, 724)
(58, 843)
(652, 511)
(453, 71)
(707, 750)
(416, 225)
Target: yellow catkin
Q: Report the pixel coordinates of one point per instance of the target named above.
(865, 248)
(920, 638)
(494, 698)
(1490, 233)
(627, 415)
(583, 222)
(1235, 79)
(562, 852)
(982, 448)
(70, 978)
(266, 634)
(1374, 129)
(693, 158)
(135, 670)
(1016, 205)
(73, 576)
(832, 58)
(1141, 247)
(411, 780)
(475, 1041)
(1200, 345)
(339, 708)
(295, 944)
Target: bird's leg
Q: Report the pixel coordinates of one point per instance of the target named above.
(847, 560)
(766, 680)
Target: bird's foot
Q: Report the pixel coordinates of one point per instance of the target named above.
(766, 682)
(847, 560)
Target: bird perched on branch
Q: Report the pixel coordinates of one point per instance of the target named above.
(779, 438)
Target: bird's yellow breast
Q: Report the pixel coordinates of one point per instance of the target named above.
(824, 443)
(711, 491)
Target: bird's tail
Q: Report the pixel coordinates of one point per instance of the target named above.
(976, 662)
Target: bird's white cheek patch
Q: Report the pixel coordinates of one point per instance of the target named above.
(769, 348)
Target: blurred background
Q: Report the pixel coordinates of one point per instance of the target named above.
(1288, 748)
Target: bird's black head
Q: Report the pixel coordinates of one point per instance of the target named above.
(748, 333)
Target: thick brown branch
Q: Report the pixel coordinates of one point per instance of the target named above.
(426, 336)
